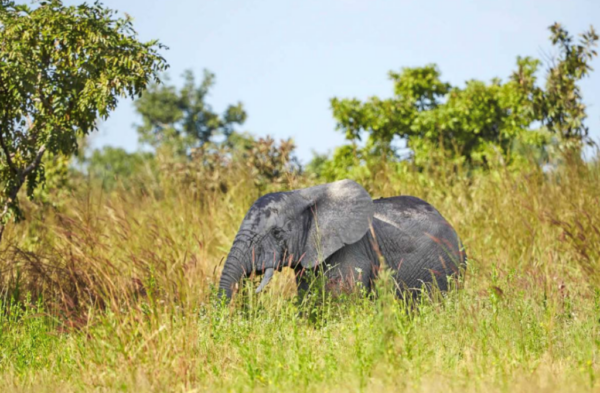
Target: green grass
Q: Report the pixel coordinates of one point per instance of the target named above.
(125, 283)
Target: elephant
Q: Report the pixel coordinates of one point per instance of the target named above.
(338, 227)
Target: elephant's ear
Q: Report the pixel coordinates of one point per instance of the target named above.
(340, 214)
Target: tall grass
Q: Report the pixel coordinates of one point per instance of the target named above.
(116, 292)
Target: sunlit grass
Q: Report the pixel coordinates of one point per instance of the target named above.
(116, 292)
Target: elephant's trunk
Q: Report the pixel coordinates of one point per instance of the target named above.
(233, 271)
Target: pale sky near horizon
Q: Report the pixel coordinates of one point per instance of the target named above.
(285, 59)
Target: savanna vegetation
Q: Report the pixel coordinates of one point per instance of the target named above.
(109, 260)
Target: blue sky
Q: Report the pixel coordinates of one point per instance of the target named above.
(285, 59)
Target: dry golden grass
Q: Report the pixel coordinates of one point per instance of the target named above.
(115, 292)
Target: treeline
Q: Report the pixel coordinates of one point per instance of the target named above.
(534, 116)
(59, 76)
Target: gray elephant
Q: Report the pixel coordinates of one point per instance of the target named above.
(338, 227)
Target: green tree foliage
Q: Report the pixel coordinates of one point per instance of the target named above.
(58, 179)
(559, 106)
(113, 164)
(61, 69)
(477, 124)
(181, 119)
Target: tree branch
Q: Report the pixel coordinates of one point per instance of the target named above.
(36, 161)
(9, 160)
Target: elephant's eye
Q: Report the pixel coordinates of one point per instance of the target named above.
(277, 233)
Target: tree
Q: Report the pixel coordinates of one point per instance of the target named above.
(560, 106)
(111, 164)
(480, 122)
(200, 148)
(61, 69)
(181, 119)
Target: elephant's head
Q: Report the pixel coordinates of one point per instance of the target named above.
(297, 227)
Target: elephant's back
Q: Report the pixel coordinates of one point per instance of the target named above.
(415, 235)
(413, 218)
(406, 207)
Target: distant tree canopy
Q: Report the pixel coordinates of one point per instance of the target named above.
(196, 143)
(61, 70)
(113, 163)
(476, 124)
(181, 119)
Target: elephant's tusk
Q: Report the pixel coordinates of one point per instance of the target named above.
(266, 278)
